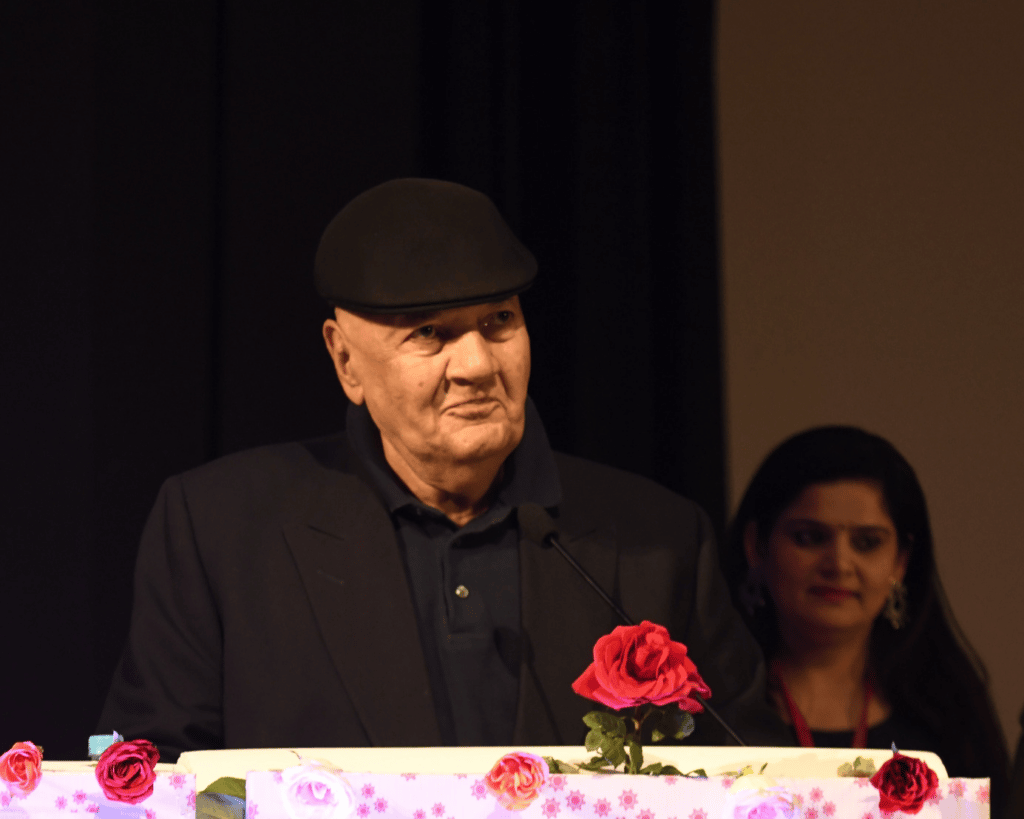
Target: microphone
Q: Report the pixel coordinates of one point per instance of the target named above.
(538, 526)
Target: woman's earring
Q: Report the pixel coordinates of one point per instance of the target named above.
(895, 610)
(752, 592)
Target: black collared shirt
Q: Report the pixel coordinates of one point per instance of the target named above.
(465, 582)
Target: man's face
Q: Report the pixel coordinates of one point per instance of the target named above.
(445, 388)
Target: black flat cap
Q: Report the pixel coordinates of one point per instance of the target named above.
(417, 245)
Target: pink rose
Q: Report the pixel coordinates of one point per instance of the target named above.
(316, 791)
(21, 767)
(516, 779)
(639, 664)
(904, 783)
(125, 770)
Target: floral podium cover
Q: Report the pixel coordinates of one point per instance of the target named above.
(71, 789)
(124, 781)
(604, 796)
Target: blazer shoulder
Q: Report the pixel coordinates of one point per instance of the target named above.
(284, 461)
(278, 477)
(608, 493)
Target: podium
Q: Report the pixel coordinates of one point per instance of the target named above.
(448, 783)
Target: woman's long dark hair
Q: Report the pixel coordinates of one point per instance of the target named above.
(927, 668)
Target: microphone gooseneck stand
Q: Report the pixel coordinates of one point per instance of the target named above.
(538, 526)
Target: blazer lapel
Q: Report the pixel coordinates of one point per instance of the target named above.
(350, 564)
(562, 617)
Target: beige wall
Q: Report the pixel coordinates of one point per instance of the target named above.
(872, 183)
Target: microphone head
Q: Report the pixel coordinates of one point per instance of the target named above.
(536, 524)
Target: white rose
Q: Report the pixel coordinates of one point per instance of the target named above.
(315, 791)
(758, 797)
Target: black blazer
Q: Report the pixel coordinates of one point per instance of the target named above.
(272, 608)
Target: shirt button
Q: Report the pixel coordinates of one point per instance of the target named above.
(461, 591)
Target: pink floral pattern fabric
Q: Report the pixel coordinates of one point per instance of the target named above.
(432, 796)
(77, 795)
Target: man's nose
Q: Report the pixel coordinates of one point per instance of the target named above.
(471, 358)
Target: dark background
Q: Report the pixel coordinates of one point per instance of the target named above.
(167, 169)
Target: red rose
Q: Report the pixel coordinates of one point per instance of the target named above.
(639, 664)
(516, 779)
(21, 767)
(904, 783)
(125, 770)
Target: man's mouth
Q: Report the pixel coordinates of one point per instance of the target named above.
(473, 407)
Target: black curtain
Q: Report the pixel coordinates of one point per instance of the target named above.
(167, 171)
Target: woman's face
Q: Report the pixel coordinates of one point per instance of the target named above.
(830, 560)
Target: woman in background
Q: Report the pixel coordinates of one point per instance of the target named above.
(830, 557)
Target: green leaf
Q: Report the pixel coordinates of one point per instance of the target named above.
(686, 726)
(597, 763)
(228, 786)
(636, 756)
(559, 767)
(661, 726)
(668, 721)
(864, 766)
(219, 806)
(605, 722)
(660, 769)
(609, 746)
(615, 753)
(698, 773)
(762, 768)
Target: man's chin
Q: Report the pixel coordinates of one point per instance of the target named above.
(482, 442)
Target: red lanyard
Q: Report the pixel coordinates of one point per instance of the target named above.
(803, 733)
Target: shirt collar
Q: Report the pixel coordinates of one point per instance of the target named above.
(530, 474)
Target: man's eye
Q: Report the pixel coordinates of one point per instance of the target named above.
(499, 320)
(426, 331)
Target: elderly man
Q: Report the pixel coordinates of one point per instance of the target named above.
(373, 588)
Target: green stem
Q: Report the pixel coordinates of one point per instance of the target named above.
(640, 713)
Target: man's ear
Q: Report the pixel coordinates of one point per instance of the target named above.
(750, 545)
(340, 351)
